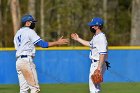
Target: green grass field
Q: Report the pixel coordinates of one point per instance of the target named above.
(78, 88)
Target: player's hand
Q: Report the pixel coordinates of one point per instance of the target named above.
(75, 36)
(62, 41)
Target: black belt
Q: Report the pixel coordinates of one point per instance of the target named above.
(95, 60)
(22, 56)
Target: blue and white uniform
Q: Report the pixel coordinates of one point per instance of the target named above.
(98, 45)
(25, 41)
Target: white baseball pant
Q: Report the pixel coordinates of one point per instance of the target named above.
(95, 88)
(27, 75)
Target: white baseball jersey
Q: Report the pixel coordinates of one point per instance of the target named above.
(98, 45)
(24, 41)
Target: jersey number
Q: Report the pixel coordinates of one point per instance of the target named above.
(19, 40)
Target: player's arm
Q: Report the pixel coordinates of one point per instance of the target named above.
(45, 44)
(60, 41)
(39, 42)
(102, 58)
(102, 48)
(80, 40)
(42, 44)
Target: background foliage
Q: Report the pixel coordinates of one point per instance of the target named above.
(63, 17)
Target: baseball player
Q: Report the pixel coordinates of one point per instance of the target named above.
(25, 41)
(98, 54)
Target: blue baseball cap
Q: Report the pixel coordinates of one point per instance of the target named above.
(26, 18)
(97, 21)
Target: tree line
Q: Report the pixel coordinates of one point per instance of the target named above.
(58, 18)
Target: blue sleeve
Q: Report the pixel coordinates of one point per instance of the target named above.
(42, 44)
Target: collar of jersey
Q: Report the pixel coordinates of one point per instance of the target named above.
(98, 34)
(24, 27)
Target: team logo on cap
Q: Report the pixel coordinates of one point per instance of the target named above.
(97, 23)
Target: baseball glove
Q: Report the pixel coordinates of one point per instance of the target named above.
(97, 77)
